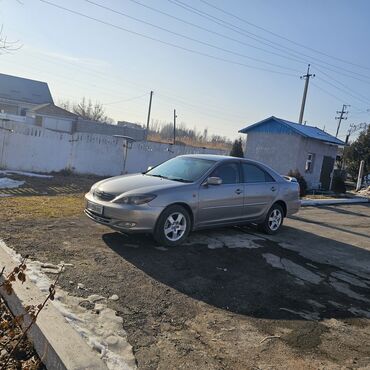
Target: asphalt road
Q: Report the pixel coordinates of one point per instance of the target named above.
(230, 298)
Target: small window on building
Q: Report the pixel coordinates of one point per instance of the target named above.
(309, 162)
(23, 111)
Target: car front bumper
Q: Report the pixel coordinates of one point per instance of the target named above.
(126, 218)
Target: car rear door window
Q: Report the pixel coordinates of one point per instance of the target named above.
(228, 172)
(253, 173)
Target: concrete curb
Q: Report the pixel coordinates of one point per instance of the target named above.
(324, 202)
(58, 345)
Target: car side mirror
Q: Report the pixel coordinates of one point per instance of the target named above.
(214, 181)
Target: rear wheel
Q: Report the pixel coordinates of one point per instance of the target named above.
(173, 226)
(273, 221)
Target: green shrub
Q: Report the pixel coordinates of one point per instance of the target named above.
(338, 185)
(301, 181)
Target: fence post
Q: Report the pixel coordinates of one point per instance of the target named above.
(360, 174)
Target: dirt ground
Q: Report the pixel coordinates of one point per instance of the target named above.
(230, 298)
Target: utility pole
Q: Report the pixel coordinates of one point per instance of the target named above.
(341, 116)
(148, 119)
(174, 126)
(305, 77)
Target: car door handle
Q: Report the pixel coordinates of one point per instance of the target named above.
(273, 188)
(238, 191)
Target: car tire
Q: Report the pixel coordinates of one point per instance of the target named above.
(273, 221)
(173, 226)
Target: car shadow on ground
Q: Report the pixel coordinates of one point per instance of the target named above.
(244, 272)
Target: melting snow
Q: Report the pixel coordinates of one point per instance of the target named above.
(220, 240)
(100, 327)
(5, 182)
(291, 267)
(29, 174)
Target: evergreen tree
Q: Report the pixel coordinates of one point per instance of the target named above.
(357, 151)
(237, 149)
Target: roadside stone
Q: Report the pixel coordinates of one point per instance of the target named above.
(114, 297)
(80, 286)
(86, 304)
(111, 340)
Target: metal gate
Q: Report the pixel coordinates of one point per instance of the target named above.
(326, 169)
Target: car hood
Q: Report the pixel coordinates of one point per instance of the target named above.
(138, 183)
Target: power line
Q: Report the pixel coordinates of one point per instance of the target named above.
(282, 37)
(163, 42)
(337, 98)
(125, 100)
(188, 37)
(216, 33)
(256, 37)
(243, 43)
(92, 72)
(345, 86)
(345, 92)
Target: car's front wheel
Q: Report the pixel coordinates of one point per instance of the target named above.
(173, 226)
(273, 221)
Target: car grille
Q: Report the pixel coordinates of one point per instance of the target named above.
(103, 195)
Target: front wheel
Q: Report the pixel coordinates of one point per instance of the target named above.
(273, 221)
(173, 226)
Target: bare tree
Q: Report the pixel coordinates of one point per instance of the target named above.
(88, 110)
(7, 46)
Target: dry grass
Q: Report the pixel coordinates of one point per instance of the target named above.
(41, 207)
(191, 142)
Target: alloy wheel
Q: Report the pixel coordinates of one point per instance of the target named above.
(175, 226)
(275, 219)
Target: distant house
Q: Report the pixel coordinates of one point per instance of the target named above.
(18, 95)
(53, 117)
(285, 145)
(30, 102)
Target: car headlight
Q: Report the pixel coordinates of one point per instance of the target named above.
(135, 199)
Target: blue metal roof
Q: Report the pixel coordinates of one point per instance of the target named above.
(293, 127)
(24, 90)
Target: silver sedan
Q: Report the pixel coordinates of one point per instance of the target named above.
(192, 192)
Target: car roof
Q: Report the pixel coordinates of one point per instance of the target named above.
(211, 157)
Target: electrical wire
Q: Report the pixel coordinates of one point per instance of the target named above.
(190, 38)
(283, 37)
(217, 33)
(164, 42)
(125, 100)
(255, 37)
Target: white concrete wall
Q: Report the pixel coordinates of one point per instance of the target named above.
(33, 148)
(279, 151)
(284, 152)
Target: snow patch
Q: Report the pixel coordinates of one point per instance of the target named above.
(101, 328)
(345, 289)
(291, 267)
(218, 240)
(29, 174)
(6, 183)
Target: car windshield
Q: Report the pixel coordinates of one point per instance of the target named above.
(184, 169)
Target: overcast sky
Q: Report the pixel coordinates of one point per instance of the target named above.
(243, 74)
